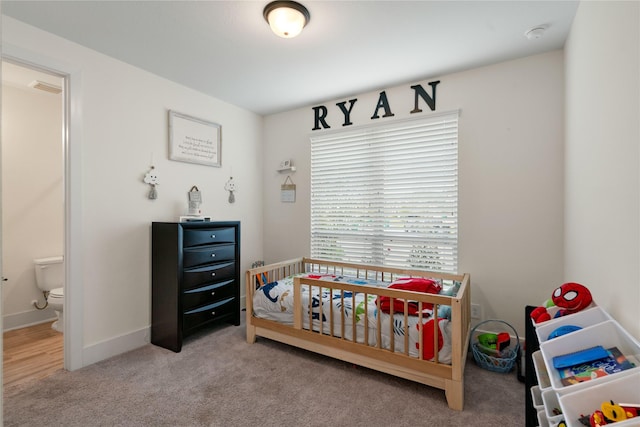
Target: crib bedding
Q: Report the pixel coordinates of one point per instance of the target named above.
(274, 301)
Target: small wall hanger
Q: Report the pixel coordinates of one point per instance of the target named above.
(151, 178)
(230, 186)
(288, 191)
(195, 198)
(286, 166)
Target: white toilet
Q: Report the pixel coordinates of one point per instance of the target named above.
(50, 278)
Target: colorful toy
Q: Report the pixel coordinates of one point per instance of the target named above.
(610, 413)
(615, 412)
(569, 298)
(494, 342)
(563, 330)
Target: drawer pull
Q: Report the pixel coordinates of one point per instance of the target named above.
(213, 274)
(213, 293)
(213, 236)
(213, 255)
(213, 313)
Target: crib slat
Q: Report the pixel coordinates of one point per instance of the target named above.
(331, 311)
(366, 318)
(310, 308)
(354, 333)
(406, 327)
(342, 313)
(435, 336)
(320, 311)
(297, 305)
(436, 331)
(420, 328)
(392, 336)
(378, 325)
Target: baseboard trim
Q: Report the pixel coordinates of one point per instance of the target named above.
(114, 346)
(27, 318)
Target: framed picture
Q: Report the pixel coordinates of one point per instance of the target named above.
(194, 140)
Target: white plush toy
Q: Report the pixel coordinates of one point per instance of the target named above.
(230, 186)
(151, 178)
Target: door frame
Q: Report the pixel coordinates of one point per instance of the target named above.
(72, 189)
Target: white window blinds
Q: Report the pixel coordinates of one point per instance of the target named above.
(387, 195)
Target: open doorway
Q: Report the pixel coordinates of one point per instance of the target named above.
(33, 219)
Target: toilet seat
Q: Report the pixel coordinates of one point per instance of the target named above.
(55, 300)
(57, 293)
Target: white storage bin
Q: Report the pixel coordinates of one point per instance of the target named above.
(536, 397)
(553, 310)
(541, 370)
(552, 407)
(555, 421)
(607, 334)
(588, 317)
(623, 389)
(542, 419)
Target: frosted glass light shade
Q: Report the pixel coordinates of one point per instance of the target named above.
(286, 18)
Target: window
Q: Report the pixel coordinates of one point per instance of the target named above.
(387, 195)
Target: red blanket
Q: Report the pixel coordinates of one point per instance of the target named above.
(427, 339)
(416, 284)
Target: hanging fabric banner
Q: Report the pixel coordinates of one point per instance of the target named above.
(288, 191)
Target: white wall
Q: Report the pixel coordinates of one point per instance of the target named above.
(32, 198)
(124, 120)
(511, 176)
(603, 157)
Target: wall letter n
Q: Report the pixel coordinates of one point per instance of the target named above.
(430, 100)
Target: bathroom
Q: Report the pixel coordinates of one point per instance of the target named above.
(32, 192)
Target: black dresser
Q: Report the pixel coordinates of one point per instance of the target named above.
(195, 278)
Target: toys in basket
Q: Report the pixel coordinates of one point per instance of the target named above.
(493, 344)
(493, 351)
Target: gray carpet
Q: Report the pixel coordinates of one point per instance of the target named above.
(220, 380)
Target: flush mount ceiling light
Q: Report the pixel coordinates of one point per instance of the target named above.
(286, 18)
(535, 32)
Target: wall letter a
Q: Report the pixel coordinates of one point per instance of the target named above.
(382, 103)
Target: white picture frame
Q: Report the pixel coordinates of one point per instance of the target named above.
(194, 140)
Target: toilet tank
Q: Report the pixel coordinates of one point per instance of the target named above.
(49, 273)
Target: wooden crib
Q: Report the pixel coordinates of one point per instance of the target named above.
(329, 339)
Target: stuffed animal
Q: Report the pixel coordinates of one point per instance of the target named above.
(569, 298)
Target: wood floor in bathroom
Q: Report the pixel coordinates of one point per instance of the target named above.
(31, 353)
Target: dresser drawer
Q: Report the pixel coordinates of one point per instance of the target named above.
(208, 294)
(199, 316)
(195, 237)
(209, 274)
(208, 255)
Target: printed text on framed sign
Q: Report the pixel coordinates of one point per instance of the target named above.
(194, 140)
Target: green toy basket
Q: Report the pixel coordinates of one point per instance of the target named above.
(491, 359)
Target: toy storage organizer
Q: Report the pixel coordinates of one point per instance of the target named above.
(556, 401)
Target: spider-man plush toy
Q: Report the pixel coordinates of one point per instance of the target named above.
(570, 298)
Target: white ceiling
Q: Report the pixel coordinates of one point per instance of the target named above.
(226, 49)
